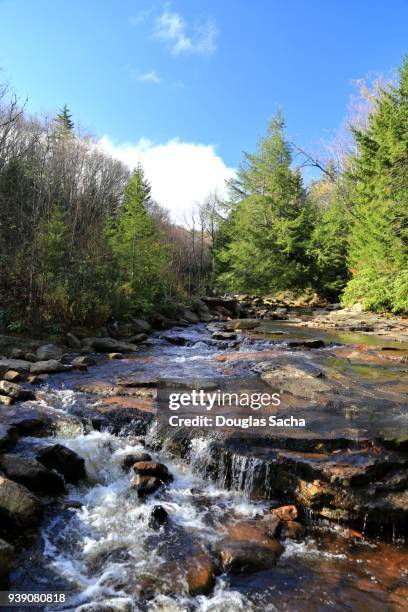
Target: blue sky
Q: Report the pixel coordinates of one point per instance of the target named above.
(208, 74)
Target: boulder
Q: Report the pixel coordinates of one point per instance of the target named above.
(110, 345)
(135, 457)
(308, 344)
(138, 338)
(177, 340)
(83, 360)
(48, 351)
(246, 557)
(51, 366)
(7, 555)
(158, 517)
(6, 400)
(13, 376)
(286, 513)
(202, 310)
(146, 485)
(72, 341)
(8, 436)
(159, 321)
(17, 505)
(139, 326)
(292, 530)
(19, 365)
(30, 357)
(201, 574)
(31, 474)
(15, 391)
(37, 380)
(222, 335)
(151, 468)
(188, 315)
(63, 460)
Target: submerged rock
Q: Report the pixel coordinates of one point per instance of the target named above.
(201, 574)
(63, 460)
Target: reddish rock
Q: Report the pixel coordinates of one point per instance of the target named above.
(286, 513)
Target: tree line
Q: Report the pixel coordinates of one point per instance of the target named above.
(345, 236)
(82, 240)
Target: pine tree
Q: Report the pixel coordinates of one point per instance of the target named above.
(378, 254)
(136, 244)
(64, 123)
(264, 242)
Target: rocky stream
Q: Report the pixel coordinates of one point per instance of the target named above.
(100, 503)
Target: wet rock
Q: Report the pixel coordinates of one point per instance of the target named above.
(151, 468)
(135, 457)
(307, 344)
(72, 341)
(8, 437)
(110, 345)
(63, 460)
(5, 400)
(230, 305)
(15, 391)
(51, 366)
(220, 335)
(13, 376)
(138, 338)
(19, 365)
(177, 340)
(201, 575)
(18, 506)
(48, 352)
(158, 517)
(270, 525)
(115, 356)
(292, 530)
(146, 485)
(202, 310)
(7, 555)
(85, 360)
(286, 513)
(31, 474)
(247, 557)
(37, 380)
(139, 380)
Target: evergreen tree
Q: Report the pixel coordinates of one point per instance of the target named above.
(265, 240)
(378, 253)
(137, 247)
(64, 123)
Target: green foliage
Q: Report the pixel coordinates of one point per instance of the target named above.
(63, 121)
(141, 258)
(378, 252)
(264, 243)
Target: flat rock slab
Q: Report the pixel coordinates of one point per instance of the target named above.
(36, 420)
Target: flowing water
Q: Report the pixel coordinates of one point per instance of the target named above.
(100, 550)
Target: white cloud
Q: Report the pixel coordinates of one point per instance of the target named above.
(172, 28)
(182, 174)
(150, 77)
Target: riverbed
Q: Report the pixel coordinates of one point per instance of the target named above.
(98, 546)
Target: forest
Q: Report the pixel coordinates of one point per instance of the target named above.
(82, 240)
